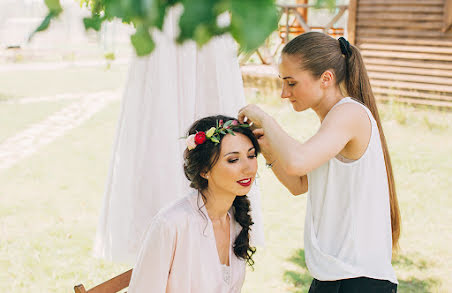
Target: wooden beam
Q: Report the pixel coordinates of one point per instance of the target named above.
(351, 26)
(427, 80)
(412, 94)
(411, 85)
(444, 104)
(401, 2)
(447, 24)
(405, 41)
(334, 20)
(405, 48)
(406, 55)
(389, 9)
(301, 21)
(409, 63)
(409, 70)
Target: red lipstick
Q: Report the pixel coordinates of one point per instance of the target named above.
(245, 182)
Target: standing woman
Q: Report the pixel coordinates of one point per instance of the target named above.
(352, 221)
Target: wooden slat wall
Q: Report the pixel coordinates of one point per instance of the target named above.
(407, 54)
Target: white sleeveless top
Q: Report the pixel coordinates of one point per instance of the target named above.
(348, 224)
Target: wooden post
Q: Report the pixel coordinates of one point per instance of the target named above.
(303, 11)
(351, 27)
(447, 25)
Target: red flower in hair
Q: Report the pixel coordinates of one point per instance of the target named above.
(200, 137)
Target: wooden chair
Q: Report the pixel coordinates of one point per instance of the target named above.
(111, 286)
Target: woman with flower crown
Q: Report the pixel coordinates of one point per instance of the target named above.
(201, 242)
(165, 92)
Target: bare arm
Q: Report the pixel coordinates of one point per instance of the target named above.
(295, 184)
(345, 126)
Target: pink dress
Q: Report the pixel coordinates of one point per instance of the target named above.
(179, 253)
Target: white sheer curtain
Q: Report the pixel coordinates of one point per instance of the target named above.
(165, 93)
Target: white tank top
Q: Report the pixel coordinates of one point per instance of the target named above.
(348, 224)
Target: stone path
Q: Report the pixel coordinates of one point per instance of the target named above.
(28, 141)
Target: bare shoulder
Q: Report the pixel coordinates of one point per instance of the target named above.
(349, 116)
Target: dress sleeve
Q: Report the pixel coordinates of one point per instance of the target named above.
(153, 266)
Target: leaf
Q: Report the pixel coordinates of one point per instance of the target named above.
(198, 20)
(222, 132)
(110, 56)
(252, 22)
(43, 26)
(54, 6)
(45, 23)
(230, 131)
(94, 22)
(228, 123)
(142, 41)
(215, 139)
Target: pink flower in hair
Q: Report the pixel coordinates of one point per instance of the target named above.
(190, 142)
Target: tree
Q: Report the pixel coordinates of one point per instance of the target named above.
(252, 21)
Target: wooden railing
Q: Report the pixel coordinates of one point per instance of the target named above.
(293, 21)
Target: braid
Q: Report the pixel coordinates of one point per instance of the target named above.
(242, 248)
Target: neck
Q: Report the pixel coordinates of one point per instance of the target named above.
(330, 99)
(218, 204)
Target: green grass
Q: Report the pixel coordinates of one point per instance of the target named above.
(16, 117)
(70, 80)
(51, 203)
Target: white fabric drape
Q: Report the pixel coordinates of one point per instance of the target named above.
(165, 93)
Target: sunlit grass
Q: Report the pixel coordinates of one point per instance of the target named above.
(50, 204)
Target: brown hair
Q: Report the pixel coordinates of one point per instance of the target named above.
(201, 159)
(319, 52)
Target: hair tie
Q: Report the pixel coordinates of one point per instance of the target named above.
(345, 47)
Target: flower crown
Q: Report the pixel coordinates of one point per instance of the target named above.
(213, 134)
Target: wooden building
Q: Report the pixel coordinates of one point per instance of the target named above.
(407, 48)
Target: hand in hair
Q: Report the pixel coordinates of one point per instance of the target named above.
(263, 143)
(254, 114)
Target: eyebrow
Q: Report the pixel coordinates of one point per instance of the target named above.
(287, 77)
(231, 153)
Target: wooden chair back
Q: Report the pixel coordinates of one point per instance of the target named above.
(113, 285)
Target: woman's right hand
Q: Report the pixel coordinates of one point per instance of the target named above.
(263, 143)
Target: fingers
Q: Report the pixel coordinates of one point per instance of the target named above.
(258, 132)
(241, 116)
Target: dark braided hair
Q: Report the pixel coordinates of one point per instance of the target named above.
(201, 159)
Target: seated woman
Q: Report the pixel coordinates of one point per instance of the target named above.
(201, 242)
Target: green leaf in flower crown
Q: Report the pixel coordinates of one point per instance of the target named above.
(222, 132)
(228, 123)
(252, 22)
(214, 139)
(244, 125)
(142, 41)
(230, 131)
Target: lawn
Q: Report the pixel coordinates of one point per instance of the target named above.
(50, 201)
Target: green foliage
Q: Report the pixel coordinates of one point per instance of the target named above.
(54, 10)
(252, 21)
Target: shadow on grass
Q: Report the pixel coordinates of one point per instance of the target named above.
(301, 279)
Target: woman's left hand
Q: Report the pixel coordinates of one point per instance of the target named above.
(254, 115)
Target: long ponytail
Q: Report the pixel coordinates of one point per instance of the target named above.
(358, 86)
(319, 52)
